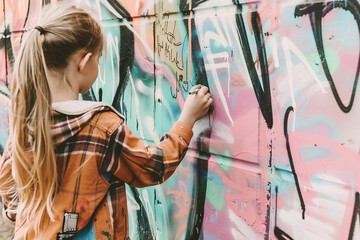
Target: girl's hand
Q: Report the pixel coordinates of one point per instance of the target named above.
(196, 105)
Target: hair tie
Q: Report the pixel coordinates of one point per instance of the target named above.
(41, 30)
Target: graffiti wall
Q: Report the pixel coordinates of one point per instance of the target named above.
(278, 157)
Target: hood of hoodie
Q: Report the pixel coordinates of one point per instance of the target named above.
(71, 116)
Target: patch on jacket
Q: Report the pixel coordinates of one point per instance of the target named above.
(70, 222)
(69, 226)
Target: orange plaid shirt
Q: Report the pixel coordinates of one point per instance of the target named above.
(96, 155)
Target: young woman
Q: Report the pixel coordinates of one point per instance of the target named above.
(64, 168)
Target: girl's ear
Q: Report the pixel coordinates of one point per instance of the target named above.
(84, 61)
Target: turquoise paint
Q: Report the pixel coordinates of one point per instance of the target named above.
(215, 191)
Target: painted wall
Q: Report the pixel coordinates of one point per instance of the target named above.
(279, 156)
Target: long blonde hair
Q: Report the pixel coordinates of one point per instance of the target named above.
(63, 29)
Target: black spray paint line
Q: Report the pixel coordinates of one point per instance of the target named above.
(267, 218)
(356, 212)
(276, 194)
(155, 79)
(6, 43)
(126, 51)
(263, 96)
(3, 44)
(286, 118)
(268, 197)
(196, 216)
(279, 234)
(143, 226)
(270, 157)
(198, 64)
(194, 227)
(1, 150)
(195, 219)
(316, 12)
(100, 94)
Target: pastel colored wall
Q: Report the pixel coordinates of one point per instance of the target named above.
(278, 158)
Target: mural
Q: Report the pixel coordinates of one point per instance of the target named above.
(278, 155)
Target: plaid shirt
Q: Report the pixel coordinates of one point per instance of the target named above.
(96, 155)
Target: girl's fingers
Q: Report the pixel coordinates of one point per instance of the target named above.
(204, 90)
(195, 87)
(208, 96)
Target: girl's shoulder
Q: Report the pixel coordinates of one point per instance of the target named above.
(72, 116)
(79, 107)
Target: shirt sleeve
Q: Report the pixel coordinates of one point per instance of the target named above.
(7, 185)
(138, 165)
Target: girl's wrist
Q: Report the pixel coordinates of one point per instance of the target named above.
(188, 120)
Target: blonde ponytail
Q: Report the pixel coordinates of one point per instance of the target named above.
(63, 29)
